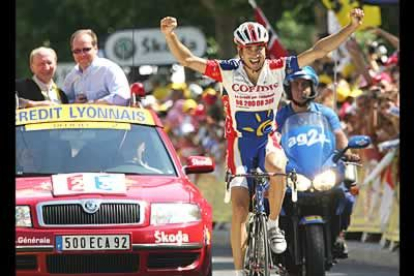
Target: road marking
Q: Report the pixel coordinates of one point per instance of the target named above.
(220, 260)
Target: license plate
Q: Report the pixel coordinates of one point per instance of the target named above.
(99, 242)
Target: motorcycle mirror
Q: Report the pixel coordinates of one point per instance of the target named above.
(359, 142)
(355, 142)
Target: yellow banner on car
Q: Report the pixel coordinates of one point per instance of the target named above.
(83, 112)
(342, 8)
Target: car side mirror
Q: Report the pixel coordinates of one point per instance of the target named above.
(199, 164)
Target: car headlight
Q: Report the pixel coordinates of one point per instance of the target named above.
(302, 183)
(23, 218)
(166, 213)
(324, 181)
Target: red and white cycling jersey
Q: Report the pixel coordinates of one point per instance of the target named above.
(251, 109)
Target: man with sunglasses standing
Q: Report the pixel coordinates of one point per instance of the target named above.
(94, 79)
(253, 86)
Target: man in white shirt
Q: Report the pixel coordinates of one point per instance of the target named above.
(94, 79)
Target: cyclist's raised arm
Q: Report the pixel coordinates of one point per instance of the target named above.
(183, 55)
(327, 44)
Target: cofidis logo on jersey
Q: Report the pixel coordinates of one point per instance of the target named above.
(254, 88)
(83, 112)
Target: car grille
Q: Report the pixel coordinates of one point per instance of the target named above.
(108, 213)
(26, 262)
(171, 260)
(92, 263)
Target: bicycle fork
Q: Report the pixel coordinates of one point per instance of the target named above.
(260, 220)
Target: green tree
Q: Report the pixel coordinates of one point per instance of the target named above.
(51, 22)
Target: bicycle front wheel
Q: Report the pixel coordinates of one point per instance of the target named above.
(257, 256)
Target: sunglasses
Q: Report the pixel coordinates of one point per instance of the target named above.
(83, 50)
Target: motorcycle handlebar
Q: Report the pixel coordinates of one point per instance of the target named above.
(339, 155)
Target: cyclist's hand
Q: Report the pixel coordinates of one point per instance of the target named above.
(168, 24)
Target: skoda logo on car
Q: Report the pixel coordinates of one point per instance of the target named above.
(90, 206)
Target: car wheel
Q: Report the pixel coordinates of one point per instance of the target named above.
(210, 270)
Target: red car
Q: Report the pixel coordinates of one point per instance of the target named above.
(100, 191)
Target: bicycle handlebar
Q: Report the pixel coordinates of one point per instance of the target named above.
(291, 175)
(253, 175)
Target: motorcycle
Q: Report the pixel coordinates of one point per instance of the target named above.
(313, 204)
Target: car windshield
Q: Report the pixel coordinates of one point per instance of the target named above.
(135, 149)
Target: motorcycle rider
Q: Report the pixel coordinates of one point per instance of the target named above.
(301, 90)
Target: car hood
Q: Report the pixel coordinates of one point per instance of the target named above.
(148, 188)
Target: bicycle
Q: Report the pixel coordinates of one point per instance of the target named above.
(257, 257)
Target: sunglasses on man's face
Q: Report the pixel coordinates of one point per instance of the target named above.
(83, 50)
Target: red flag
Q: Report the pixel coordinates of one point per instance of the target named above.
(274, 47)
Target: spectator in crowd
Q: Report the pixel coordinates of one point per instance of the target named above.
(40, 89)
(368, 102)
(389, 112)
(348, 104)
(94, 79)
(325, 92)
(186, 131)
(174, 118)
(176, 91)
(195, 91)
(392, 39)
(377, 56)
(392, 67)
(360, 62)
(383, 124)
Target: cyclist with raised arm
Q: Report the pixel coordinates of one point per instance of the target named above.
(253, 86)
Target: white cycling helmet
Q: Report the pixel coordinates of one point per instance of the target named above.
(250, 33)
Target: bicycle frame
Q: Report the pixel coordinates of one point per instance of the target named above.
(260, 185)
(257, 230)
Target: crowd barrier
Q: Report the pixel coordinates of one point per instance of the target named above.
(377, 205)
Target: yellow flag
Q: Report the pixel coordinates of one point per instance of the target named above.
(342, 9)
(372, 16)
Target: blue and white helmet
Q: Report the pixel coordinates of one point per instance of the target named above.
(306, 73)
(250, 33)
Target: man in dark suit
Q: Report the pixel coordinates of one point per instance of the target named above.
(40, 90)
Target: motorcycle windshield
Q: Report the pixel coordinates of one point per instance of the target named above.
(308, 142)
